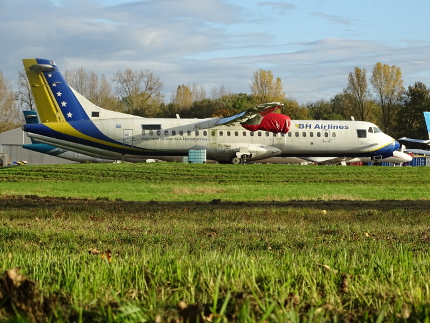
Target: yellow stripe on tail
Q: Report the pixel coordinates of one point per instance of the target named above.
(47, 106)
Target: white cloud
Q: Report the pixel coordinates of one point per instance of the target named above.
(209, 42)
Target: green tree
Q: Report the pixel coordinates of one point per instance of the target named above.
(265, 88)
(388, 84)
(323, 110)
(410, 117)
(292, 109)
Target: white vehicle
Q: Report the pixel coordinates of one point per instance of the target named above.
(70, 121)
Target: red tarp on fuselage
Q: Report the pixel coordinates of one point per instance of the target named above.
(273, 122)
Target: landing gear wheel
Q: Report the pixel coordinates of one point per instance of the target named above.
(236, 160)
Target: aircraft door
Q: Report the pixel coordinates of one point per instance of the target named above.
(128, 137)
(326, 135)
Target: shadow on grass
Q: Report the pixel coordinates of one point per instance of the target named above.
(34, 201)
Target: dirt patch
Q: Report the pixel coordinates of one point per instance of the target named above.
(20, 295)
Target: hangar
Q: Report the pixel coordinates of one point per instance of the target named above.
(11, 150)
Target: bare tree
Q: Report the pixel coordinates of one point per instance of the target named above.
(10, 116)
(97, 90)
(139, 92)
(218, 93)
(24, 96)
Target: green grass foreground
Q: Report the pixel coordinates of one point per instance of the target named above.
(204, 182)
(324, 254)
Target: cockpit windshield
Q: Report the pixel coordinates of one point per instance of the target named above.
(374, 130)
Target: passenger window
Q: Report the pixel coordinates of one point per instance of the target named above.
(361, 133)
(244, 133)
(205, 133)
(252, 134)
(166, 132)
(158, 132)
(221, 133)
(333, 134)
(189, 133)
(267, 134)
(304, 134)
(197, 133)
(326, 134)
(228, 133)
(181, 133)
(151, 132)
(289, 134)
(318, 134)
(236, 133)
(297, 134)
(274, 134)
(213, 133)
(173, 133)
(259, 134)
(311, 134)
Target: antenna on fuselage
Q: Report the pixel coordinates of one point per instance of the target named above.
(352, 118)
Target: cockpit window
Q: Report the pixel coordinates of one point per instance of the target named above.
(361, 133)
(376, 130)
(371, 130)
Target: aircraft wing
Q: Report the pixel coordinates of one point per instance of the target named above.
(427, 142)
(250, 116)
(418, 151)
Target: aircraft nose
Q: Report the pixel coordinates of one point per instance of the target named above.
(396, 145)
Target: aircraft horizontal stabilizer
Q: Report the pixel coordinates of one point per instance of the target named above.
(427, 142)
(418, 151)
(251, 116)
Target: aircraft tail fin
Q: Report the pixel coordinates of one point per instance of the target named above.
(54, 99)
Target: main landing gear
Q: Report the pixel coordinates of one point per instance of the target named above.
(238, 160)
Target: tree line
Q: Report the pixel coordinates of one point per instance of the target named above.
(380, 98)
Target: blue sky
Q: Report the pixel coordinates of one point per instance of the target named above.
(311, 45)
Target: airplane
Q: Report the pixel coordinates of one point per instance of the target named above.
(426, 142)
(70, 121)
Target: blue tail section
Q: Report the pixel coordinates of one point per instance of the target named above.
(427, 120)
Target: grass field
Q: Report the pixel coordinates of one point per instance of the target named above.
(204, 182)
(220, 243)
